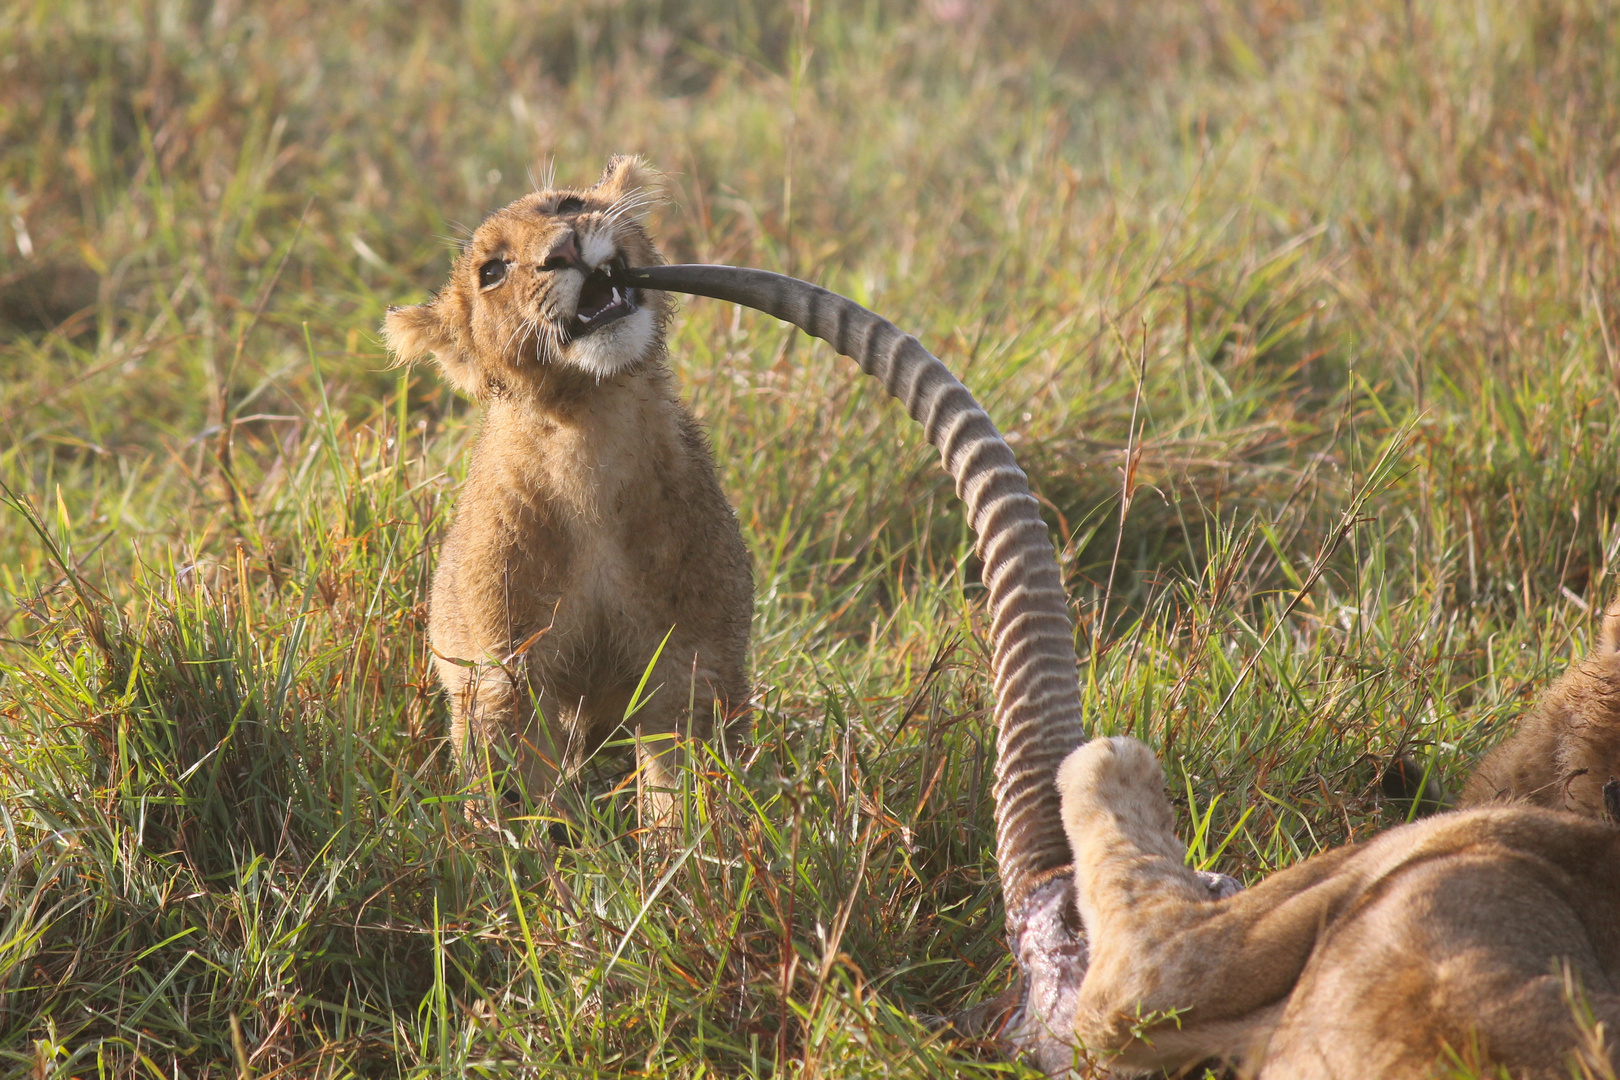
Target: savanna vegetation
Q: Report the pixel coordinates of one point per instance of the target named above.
(1304, 316)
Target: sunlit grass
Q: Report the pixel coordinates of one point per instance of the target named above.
(1302, 318)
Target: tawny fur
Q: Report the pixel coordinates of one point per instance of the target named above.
(1567, 747)
(591, 524)
(1443, 937)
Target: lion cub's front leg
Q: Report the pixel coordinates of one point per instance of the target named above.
(1136, 896)
(498, 735)
(687, 698)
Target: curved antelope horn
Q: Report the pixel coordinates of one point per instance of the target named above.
(1037, 691)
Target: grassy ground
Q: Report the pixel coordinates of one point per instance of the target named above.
(1303, 317)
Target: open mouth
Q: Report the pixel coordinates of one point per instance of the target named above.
(601, 300)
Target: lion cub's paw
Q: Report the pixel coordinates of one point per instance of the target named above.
(1103, 768)
(1115, 784)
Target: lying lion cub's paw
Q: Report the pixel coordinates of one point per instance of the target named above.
(1101, 770)
(1117, 783)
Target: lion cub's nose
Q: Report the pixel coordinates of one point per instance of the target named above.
(564, 254)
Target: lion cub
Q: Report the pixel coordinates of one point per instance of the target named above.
(590, 525)
(1567, 747)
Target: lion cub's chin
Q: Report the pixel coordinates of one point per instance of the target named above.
(614, 348)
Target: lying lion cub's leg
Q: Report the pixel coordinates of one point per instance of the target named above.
(1457, 953)
(1176, 977)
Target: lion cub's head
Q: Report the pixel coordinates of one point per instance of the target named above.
(532, 294)
(1567, 748)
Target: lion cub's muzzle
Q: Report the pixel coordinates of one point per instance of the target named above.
(602, 300)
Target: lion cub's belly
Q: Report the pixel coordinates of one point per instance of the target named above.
(606, 624)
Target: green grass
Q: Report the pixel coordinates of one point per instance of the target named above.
(1302, 316)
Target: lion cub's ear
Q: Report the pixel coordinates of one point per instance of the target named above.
(413, 333)
(627, 174)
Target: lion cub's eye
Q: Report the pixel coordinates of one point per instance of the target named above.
(491, 273)
(569, 204)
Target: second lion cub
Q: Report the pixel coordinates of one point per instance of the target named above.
(591, 524)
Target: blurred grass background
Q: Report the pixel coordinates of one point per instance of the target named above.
(1302, 316)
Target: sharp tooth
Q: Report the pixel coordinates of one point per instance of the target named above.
(617, 299)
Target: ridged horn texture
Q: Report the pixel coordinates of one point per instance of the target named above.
(1037, 691)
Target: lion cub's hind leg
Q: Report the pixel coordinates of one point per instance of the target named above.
(1122, 832)
(1181, 971)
